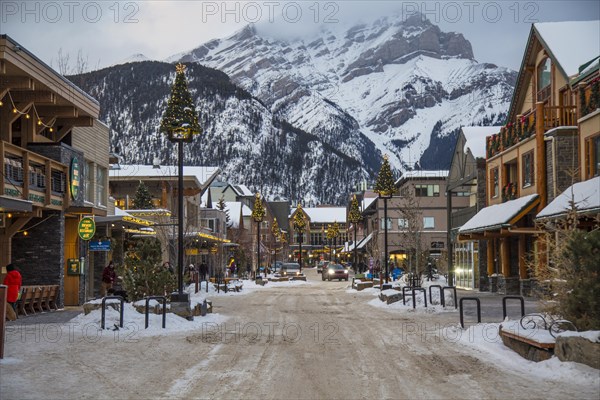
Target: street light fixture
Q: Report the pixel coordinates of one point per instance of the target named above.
(299, 227)
(258, 215)
(385, 188)
(354, 216)
(180, 122)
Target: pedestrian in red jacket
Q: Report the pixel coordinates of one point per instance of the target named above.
(14, 281)
(108, 278)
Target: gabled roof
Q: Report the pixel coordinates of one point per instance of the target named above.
(569, 44)
(500, 215)
(242, 190)
(584, 195)
(237, 210)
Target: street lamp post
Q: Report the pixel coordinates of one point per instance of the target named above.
(258, 215)
(385, 188)
(323, 242)
(277, 236)
(299, 227)
(180, 122)
(329, 238)
(336, 233)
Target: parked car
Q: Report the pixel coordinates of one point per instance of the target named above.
(320, 266)
(276, 266)
(290, 269)
(334, 271)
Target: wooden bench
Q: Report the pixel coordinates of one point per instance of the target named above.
(227, 280)
(527, 346)
(37, 298)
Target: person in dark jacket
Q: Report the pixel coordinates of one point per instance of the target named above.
(14, 281)
(108, 278)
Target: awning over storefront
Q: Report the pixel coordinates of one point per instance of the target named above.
(122, 219)
(14, 205)
(500, 215)
(583, 196)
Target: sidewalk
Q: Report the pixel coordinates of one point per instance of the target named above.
(491, 305)
(49, 317)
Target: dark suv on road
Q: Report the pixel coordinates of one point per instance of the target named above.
(334, 271)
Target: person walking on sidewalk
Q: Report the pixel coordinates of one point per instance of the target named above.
(108, 278)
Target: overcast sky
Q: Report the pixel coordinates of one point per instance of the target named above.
(109, 31)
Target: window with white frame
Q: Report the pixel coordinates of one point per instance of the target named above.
(428, 222)
(100, 186)
(89, 182)
(389, 223)
(402, 223)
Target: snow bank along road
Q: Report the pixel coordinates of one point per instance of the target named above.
(311, 341)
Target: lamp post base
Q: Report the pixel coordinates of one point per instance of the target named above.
(180, 305)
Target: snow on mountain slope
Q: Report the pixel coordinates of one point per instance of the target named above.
(392, 81)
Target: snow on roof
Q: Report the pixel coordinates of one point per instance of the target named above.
(425, 174)
(475, 138)
(202, 174)
(367, 201)
(242, 190)
(325, 214)
(586, 196)
(497, 215)
(234, 208)
(573, 43)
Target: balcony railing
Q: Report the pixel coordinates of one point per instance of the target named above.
(32, 177)
(525, 125)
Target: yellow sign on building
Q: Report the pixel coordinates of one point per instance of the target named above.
(86, 228)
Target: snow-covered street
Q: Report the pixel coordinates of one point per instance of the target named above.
(302, 340)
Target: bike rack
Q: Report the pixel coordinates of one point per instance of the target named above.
(528, 321)
(404, 289)
(462, 323)
(420, 289)
(441, 294)
(164, 309)
(558, 323)
(453, 288)
(102, 323)
(521, 300)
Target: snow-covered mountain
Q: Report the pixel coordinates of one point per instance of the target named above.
(307, 119)
(240, 135)
(406, 85)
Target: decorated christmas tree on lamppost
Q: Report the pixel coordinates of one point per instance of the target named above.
(385, 187)
(299, 227)
(258, 215)
(180, 123)
(354, 216)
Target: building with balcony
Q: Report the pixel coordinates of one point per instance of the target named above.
(55, 154)
(205, 229)
(546, 146)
